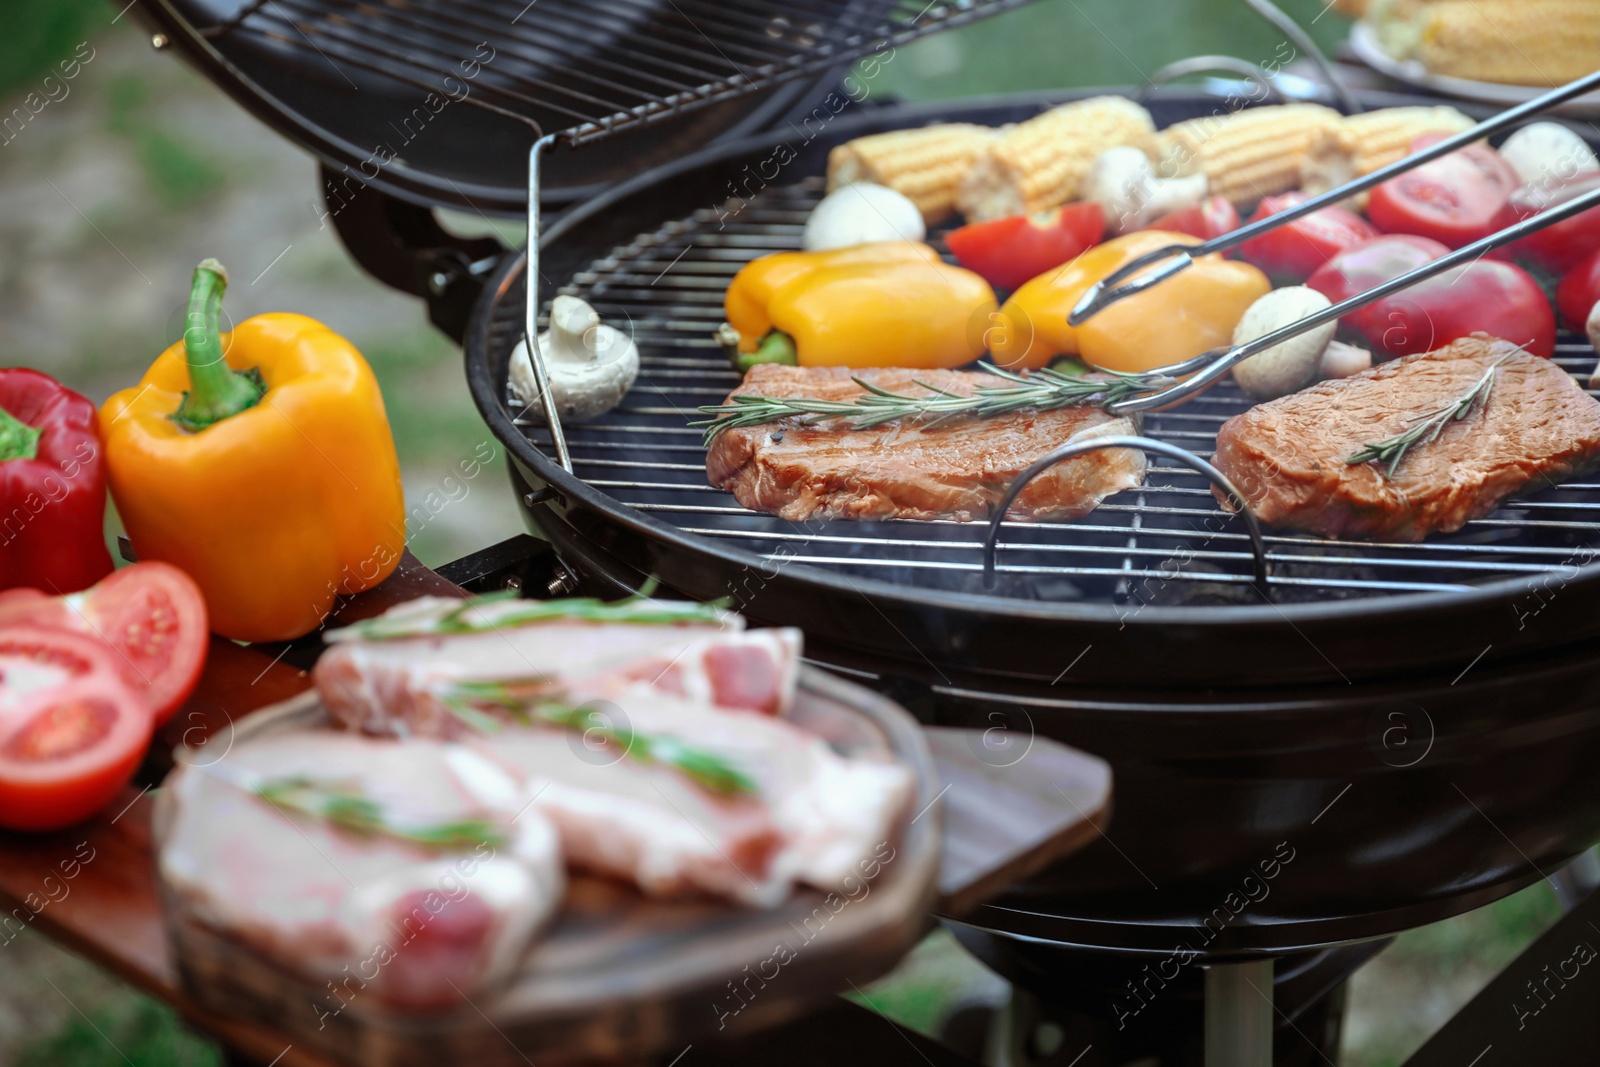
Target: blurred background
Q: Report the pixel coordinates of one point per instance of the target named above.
(112, 192)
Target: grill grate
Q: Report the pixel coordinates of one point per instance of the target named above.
(1167, 542)
(585, 70)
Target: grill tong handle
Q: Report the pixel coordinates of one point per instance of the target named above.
(1258, 544)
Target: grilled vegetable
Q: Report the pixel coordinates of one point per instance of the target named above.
(926, 165)
(1295, 250)
(1517, 42)
(1246, 155)
(1040, 163)
(890, 304)
(1549, 154)
(1187, 314)
(1454, 199)
(1579, 291)
(861, 213)
(1361, 144)
(1211, 218)
(261, 464)
(52, 486)
(1291, 366)
(1125, 186)
(1559, 247)
(1009, 251)
(591, 365)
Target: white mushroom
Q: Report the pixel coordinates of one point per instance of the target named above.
(859, 213)
(1291, 366)
(1343, 361)
(1548, 153)
(1124, 184)
(591, 365)
(1592, 328)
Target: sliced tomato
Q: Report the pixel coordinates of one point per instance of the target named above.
(1559, 247)
(1296, 250)
(1210, 218)
(71, 731)
(152, 616)
(1454, 199)
(1009, 251)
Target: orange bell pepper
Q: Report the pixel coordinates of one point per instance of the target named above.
(885, 304)
(1190, 313)
(261, 463)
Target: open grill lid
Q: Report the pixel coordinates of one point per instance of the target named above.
(438, 101)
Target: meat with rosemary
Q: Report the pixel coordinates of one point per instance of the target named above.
(955, 467)
(1413, 447)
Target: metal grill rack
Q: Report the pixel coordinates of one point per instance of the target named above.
(1167, 542)
(659, 58)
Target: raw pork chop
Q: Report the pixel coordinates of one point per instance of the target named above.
(913, 470)
(415, 684)
(373, 915)
(1288, 456)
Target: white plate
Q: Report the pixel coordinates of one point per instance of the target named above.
(1364, 42)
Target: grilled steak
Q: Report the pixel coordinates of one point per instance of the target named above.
(953, 470)
(413, 685)
(1288, 457)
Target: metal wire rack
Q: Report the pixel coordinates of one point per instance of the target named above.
(1166, 542)
(595, 68)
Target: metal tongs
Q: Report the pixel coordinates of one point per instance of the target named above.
(1207, 367)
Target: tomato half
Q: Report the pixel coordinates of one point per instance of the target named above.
(71, 731)
(153, 617)
(1454, 199)
(1009, 251)
(1210, 218)
(1555, 248)
(1294, 251)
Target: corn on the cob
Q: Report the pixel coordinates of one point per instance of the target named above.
(1361, 144)
(1246, 155)
(1038, 164)
(925, 165)
(1519, 42)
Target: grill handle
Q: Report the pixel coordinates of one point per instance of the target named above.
(1176, 258)
(1258, 543)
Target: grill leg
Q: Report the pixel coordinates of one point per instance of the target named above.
(1239, 1014)
(1574, 882)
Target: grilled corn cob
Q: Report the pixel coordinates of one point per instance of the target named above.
(1038, 164)
(924, 165)
(1246, 155)
(1361, 144)
(1519, 42)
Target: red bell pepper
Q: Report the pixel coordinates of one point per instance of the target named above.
(52, 486)
(1012, 250)
(1295, 250)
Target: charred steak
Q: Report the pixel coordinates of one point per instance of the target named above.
(953, 470)
(1288, 457)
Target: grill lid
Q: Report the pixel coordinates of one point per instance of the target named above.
(438, 101)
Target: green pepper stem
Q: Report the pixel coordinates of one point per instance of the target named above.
(216, 391)
(775, 347)
(18, 440)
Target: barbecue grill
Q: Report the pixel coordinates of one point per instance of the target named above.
(1415, 723)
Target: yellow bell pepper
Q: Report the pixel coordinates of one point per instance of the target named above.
(885, 304)
(261, 463)
(1190, 313)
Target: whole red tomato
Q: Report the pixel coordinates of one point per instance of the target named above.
(1210, 218)
(1297, 249)
(1454, 199)
(1561, 246)
(1485, 296)
(1009, 251)
(1360, 267)
(1579, 291)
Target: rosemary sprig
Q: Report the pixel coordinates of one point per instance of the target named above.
(707, 769)
(1042, 390)
(347, 808)
(459, 620)
(1429, 425)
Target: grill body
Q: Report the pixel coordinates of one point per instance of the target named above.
(1235, 725)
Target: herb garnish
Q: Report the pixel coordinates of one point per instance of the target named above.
(347, 808)
(705, 768)
(1429, 425)
(640, 609)
(1042, 390)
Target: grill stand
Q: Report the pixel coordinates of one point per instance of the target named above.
(1239, 1014)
